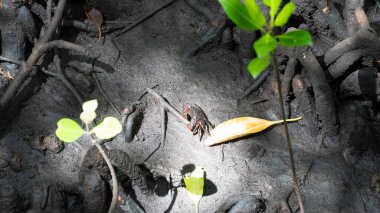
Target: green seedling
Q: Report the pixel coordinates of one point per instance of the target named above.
(248, 16)
(69, 131)
(194, 183)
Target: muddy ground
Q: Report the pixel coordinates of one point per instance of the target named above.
(335, 172)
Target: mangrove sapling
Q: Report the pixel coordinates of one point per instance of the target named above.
(249, 17)
(69, 131)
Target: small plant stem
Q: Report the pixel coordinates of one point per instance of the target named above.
(292, 164)
(113, 174)
(196, 208)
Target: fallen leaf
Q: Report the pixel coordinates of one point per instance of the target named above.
(9, 75)
(94, 16)
(240, 127)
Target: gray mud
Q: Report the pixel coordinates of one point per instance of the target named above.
(151, 54)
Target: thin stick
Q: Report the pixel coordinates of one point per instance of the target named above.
(260, 80)
(167, 106)
(139, 21)
(54, 22)
(2, 58)
(27, 66)
(113, 175)
(292, 164)
(60, 75)
(48, 12)
(112, 171)
(94, 75)
(163, 126)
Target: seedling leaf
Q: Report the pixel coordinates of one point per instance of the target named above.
(90, 106)
(239, 14)
(255, 13)
(257, 65)
(267, 2)
(107, 129)
(274, 5)
(284, 14)
(240, 127)
(194, 183)
(87, 116)
(295, 38)
(68, 130)
(265, 45)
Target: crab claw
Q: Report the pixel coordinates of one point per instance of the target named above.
(189, 127)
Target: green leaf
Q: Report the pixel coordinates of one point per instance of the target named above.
(87, 117)
(239, 14)
(194, 183)
(285, 14)
(295, 38)
(265, 45)
(274, 5)
(267, 2)
(254, 12)
(257, 65)
(107, 129)
(90, 106)
(68, 130)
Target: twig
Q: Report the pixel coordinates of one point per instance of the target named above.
(95, 76)
(167, 106)
(139, 21)
(39, 49)
(48, 12)
(163, 126)
(113, 175)
(284, 205)
(27, 67)
(258, 81)
(2, 58)
(110, 167)
(118, 22)
(54, 22)
(292, 164)
(60, 75)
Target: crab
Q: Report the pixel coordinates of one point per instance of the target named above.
(199, 123)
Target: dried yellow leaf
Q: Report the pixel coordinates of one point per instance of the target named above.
(9, 75)
(240, 127)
